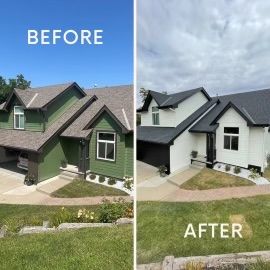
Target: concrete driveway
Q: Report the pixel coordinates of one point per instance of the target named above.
(145, 171)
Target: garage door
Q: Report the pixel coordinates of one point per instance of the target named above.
(154, 154)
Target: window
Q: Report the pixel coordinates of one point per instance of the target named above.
(155, 116)
(106, 146)
(18, 117)
(231, 138)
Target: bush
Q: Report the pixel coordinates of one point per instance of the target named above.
(162, 170)
(29, 179)
(63, 215)
(84, 215)
(227, 167)
(101, 179)
(128, 184)
(92, 176)
(268, 160)
(237, 169)
(253, 174)
(111, 211)
(194, 154)
(112, 181)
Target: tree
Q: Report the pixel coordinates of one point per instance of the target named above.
(6, 86)
(143, 93)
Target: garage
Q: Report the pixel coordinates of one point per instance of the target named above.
(154, 154)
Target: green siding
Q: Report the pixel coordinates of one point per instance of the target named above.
(129, 155)
(71, 149)
(61, 104)
(6, 120)
(108, 168)
(50, 160)
(33, 120)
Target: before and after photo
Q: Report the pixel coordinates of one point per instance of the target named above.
(134, 135)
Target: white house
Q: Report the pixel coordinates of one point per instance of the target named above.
(231, 129)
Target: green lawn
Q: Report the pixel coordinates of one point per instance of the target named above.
(209, 179)
(94, 248)
(161, 227)
(81, 188)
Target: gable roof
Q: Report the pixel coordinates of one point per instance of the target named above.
(117, 101)
(34, 141)
(170, 100)
(166, 135)
(253, 106)
(40, 97)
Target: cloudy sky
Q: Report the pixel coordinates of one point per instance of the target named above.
(223, 46)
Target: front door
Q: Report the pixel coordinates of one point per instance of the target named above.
(211, 147)
(84, 156)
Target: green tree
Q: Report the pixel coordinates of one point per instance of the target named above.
(143, 93)
(6, 86)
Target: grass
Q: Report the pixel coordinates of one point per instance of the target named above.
(169, 220)
(81, 188)
(210, 179)
(96, 248)
(93, 248)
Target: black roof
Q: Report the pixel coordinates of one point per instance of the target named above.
(170, 100)
(166, 135)
(254, 107)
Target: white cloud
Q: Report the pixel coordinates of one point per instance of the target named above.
(222, 45)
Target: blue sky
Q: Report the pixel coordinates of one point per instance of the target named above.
(104, 65)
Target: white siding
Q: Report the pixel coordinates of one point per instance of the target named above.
(232, 119)
(251, 142)
(171, 118)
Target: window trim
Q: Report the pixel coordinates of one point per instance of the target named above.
(230, 135)
(106, 142)
(154, 113)
(14, 118)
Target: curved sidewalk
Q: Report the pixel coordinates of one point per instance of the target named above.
(181, 195)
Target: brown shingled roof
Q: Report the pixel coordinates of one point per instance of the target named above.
(117, 100)
(33, 141)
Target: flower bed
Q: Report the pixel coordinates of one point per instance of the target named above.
(244, 173)
(125, 184)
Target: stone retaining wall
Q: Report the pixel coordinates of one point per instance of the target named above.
(211, 262)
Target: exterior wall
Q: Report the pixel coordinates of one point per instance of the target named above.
(171, 118)
(71, 149)
(108, 168)
(129, 155)
(50, 160)
(240, 158)
(181, 149)
(61, 104)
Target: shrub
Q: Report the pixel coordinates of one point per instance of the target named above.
(92, 176)
(268, 160)
(29, 179)
(194, 154)
(253, 174)
(237, 169)
(111, 211)
(84, 215)
(227, 167)
(162, 170)
(101, 179)
(128, 184)
(112, 181)
(63, 163)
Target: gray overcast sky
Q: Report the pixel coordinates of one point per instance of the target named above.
(221, 45)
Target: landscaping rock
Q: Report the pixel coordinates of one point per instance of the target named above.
(35, 229)
(74, 226)
(3, 231)
(124, 221)
(46, 224)
(168, 263)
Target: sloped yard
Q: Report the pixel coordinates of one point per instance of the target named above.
(169, 220)
(209, 179)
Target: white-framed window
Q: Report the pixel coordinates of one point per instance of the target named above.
(106, 146)
(231, 138)
(19, 117)
(155, 116)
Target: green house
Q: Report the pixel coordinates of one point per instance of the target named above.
(90, 130)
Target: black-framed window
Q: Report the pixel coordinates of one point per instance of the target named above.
(155, 116)
(106, 146)
(231, 138)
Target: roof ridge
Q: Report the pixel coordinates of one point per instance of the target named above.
(47, 86)
(246, 92)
